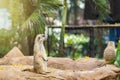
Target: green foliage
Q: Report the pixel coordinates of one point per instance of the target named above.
(64, 10)
(73, 44)
(29, 18)
(43, 9)
(54, 36)
(7, 38)
(112, 61)
(29, 14)
(103, 8)
(15, 9)
(75, 39)
(118, 55)
(77, 43)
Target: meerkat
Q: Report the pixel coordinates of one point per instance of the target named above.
(109, 52)
(40, 56)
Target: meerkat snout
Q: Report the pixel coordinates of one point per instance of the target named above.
(40, 38)
(43, 35)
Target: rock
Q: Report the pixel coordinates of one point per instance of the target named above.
(19, 67)
(103, 73)
(80, 64)
(15, 52)
(89, 63)
(3, 61)
(17, 72)
(10, 75)
(61, 63)
(108, 72)
(58, 63)
(26, 60)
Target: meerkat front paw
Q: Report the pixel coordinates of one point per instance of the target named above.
(45, 59)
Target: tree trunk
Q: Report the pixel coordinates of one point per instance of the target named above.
(63, 29)
(100, 42)
(24, 46)
(75, 12)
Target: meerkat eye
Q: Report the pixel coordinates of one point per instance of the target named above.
(39, 38)
(43, 35)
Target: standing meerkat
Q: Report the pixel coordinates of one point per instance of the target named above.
(40, 56)
(109, 52)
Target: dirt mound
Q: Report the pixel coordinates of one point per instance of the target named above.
(14, 52)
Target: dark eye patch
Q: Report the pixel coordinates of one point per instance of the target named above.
(39, 38)
(43, 35)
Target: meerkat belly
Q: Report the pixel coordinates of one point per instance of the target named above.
(38, 62)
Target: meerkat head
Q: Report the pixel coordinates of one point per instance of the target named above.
(111, 43)
(40, 38)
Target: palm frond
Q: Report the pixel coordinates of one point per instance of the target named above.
(37, 19)
(103, 8)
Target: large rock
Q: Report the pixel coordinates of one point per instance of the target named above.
(15, 72)
(10, 75)
(59, 69)
(80, 64)
(108, 72)
(61, 63)
(15, 56)
(58, 63)
(26, 60)
(88, 63)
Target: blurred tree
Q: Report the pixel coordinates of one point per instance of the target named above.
(7, 38)
(29, 18)
(115, 5)
(74, 12)
(90, 11)
(62, 53)
(103, 8)
(4, 3)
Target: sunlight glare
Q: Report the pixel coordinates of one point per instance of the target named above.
(5, 22)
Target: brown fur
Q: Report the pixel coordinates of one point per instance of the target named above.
(40, 57)
(109, 52)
